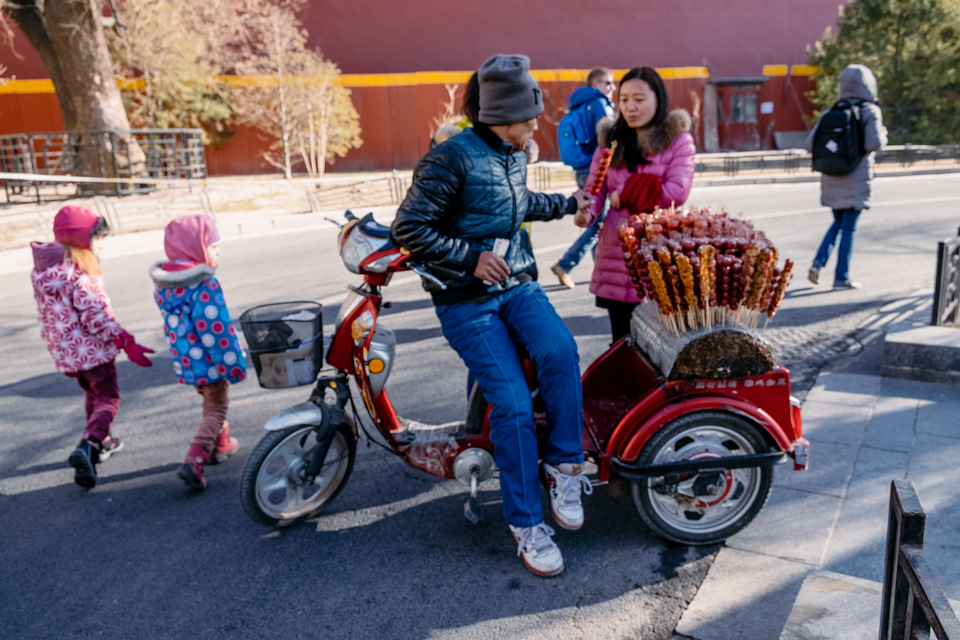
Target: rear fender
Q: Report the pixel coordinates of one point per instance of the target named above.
(773, 430)
(305, 413)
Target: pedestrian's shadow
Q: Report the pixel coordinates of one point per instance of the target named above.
(131, 377)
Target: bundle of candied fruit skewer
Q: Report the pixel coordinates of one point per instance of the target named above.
(703, 268)
(596, 180)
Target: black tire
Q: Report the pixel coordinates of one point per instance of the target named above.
(742, 492)
(280, 455)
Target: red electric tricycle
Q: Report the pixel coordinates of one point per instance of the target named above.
(697, 455)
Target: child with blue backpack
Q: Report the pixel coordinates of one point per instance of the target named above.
(203, 342)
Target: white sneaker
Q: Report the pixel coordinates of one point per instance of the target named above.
(564, 483)
(538, 550)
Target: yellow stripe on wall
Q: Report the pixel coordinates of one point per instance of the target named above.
(27, 86)
(411, 79)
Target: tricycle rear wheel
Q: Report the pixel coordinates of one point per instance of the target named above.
(707, 507)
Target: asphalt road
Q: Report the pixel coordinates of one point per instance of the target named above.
(393, 557)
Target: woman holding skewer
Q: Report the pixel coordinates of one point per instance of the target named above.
(651, 166)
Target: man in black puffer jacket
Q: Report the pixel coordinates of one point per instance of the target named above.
(468, 193)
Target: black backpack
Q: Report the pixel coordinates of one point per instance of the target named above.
(838, 141)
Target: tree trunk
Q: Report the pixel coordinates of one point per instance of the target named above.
(68, 37)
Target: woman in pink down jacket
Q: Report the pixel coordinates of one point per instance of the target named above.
(652, 166)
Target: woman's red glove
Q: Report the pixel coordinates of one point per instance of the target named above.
(641, 192)
(136, 352)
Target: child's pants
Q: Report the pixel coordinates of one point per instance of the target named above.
(215, 401)
(103, 399)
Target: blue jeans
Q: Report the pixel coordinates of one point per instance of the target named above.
(483, 334)
(844, 225)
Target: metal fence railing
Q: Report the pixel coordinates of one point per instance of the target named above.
(946, 293)
(795, 160)
(117, 157)
(914, 603)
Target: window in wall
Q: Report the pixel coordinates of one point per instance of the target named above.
(736, 108)
(743, 108)
(750, 108)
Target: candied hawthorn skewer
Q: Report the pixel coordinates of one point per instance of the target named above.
(606, 155)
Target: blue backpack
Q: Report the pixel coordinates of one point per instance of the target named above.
(576, 137)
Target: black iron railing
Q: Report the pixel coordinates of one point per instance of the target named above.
(913, 600)
(946, 293)
(117, 158)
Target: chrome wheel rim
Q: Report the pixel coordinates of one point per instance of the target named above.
(707, 502)
(282, 493)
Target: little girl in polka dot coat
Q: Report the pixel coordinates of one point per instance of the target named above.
(203, 341)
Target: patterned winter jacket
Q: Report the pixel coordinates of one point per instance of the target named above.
(672, 154)
(76, 319)
(203, 342)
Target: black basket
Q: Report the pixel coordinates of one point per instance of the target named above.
(285, 341)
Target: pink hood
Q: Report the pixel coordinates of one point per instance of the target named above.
(186, 240)
(46, 254)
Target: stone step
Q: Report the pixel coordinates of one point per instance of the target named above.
(923, 352)
(832, 605)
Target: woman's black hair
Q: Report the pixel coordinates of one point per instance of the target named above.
(471, 99)
(628, 153)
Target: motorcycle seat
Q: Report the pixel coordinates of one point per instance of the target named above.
(371, 227)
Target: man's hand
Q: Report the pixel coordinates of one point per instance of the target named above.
(491, 268)
(584, 200)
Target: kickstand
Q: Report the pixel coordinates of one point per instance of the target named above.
(472, 510)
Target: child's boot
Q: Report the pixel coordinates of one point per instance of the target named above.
(226, 446)
(110, 446)
(84, 459)
(191, 471)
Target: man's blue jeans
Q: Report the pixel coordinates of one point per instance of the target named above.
(483, 334)
(844, 225)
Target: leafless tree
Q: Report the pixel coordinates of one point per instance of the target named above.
(68, 37)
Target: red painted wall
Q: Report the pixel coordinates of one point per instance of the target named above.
(369, 36)
(730, 38)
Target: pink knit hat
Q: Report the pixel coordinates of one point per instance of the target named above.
(188, 237)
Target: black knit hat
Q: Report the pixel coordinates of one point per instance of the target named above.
(508, 93)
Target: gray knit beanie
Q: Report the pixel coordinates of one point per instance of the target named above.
(508, 93)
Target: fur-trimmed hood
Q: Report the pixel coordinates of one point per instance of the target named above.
(163, 277)
(653, 140)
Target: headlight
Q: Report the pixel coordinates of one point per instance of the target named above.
(380, 264)
(358, 248)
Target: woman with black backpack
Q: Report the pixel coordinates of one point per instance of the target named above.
(843, 144)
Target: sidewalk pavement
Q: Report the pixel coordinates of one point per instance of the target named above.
(827, 525)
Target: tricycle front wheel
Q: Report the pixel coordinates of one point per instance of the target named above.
(707, 507)
(274, 490)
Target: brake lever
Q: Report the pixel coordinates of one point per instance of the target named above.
(423, 273)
